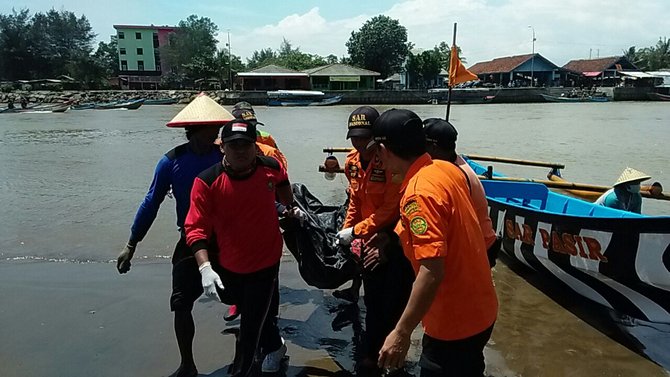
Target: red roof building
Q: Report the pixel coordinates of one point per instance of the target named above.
(519, 70)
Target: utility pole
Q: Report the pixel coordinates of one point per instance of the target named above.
(590, 51)
(230, 65)
(532, 59)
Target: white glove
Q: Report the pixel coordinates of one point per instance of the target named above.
(210, 280)
(345, 236)
(297, 213)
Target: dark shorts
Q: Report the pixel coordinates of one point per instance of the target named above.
(186, 281)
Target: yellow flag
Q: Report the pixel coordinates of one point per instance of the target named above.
(457, 72)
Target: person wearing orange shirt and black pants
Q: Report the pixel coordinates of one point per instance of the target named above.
(371, 215)
(441, 145)
(453, 294)
(230, 202)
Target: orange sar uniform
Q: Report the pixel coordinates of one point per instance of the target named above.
(265, 138)
(373, 196)
(437, 220)
(266, 150)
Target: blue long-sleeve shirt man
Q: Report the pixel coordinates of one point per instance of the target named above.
(176, 170)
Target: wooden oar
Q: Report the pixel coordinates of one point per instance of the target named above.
(475, 157)
(515, 161)
(571, 186)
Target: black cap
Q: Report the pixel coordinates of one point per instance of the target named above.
(247, 115)
(361, 121)
(440, 132)
(243, 105)
(396, 125)
(238, 129)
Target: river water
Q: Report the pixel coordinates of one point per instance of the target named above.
(71, 183)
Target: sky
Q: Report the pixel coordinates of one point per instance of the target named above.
(564, 29)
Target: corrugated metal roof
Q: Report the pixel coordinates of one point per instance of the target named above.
(498, 65)
(597, 65)
(272, 70)
(340, 70)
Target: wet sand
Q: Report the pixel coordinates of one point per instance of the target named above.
(86, 320)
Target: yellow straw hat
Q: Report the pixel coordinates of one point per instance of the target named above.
(631, 175)
(202, 111)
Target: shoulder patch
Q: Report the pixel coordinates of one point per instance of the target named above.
(418, 225)
(270, 162)
(411, 207)
(177, 151)
(210, 174)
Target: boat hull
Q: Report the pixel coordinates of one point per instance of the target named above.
(304, 102)
(614, 258)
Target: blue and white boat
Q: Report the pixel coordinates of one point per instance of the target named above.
(301, 98)
(616, 258)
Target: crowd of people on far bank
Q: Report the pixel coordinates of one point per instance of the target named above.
(417, 220)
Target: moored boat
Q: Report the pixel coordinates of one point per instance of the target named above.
(40, 108)
(161, 101)
(659, 97)
(588, 98)
(129, 105)
(615, 258)
(300, 98)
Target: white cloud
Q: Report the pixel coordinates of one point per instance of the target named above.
(310, 31)
(487, 29)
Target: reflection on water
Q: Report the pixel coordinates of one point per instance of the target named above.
(71, 184)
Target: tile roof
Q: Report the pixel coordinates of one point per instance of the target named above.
(506, 64)
(340, 70)
(592, 65)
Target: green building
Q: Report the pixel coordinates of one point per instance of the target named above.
(341, 77)
(140, 65)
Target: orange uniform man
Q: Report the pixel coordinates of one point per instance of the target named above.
(453, 294)
(372, 213)
(441, 145)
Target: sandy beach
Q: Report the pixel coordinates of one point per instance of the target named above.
(69, 319)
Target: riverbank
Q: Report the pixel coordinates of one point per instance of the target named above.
(349, 97)
(87, 320)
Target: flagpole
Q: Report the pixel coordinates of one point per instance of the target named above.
(453, 44)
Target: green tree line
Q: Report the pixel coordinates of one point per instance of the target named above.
(58, 42)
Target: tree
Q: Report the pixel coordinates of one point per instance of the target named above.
(260, 58)
(380, 45)
(331, 59)
(423, 68)
(191, 49)
(16, 59)
(107, 58)
(286, 56)
(60, 38)
(656, 57)
(223, 64)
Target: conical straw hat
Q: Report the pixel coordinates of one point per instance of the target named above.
(631, 175)
(201, 111)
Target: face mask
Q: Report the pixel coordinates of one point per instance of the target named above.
(634, 189)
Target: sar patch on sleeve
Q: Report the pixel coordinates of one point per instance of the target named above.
(418, 225)
(411, 207)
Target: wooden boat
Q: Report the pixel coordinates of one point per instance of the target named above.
(550, 98)
(615, 258)
(300, 98)
(129, 105)
(84, 106)
(39, 108)
(659, 97)
(161, 101)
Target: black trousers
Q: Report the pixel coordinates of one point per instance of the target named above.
(257, 298)
(454, 358)
(387, 289)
